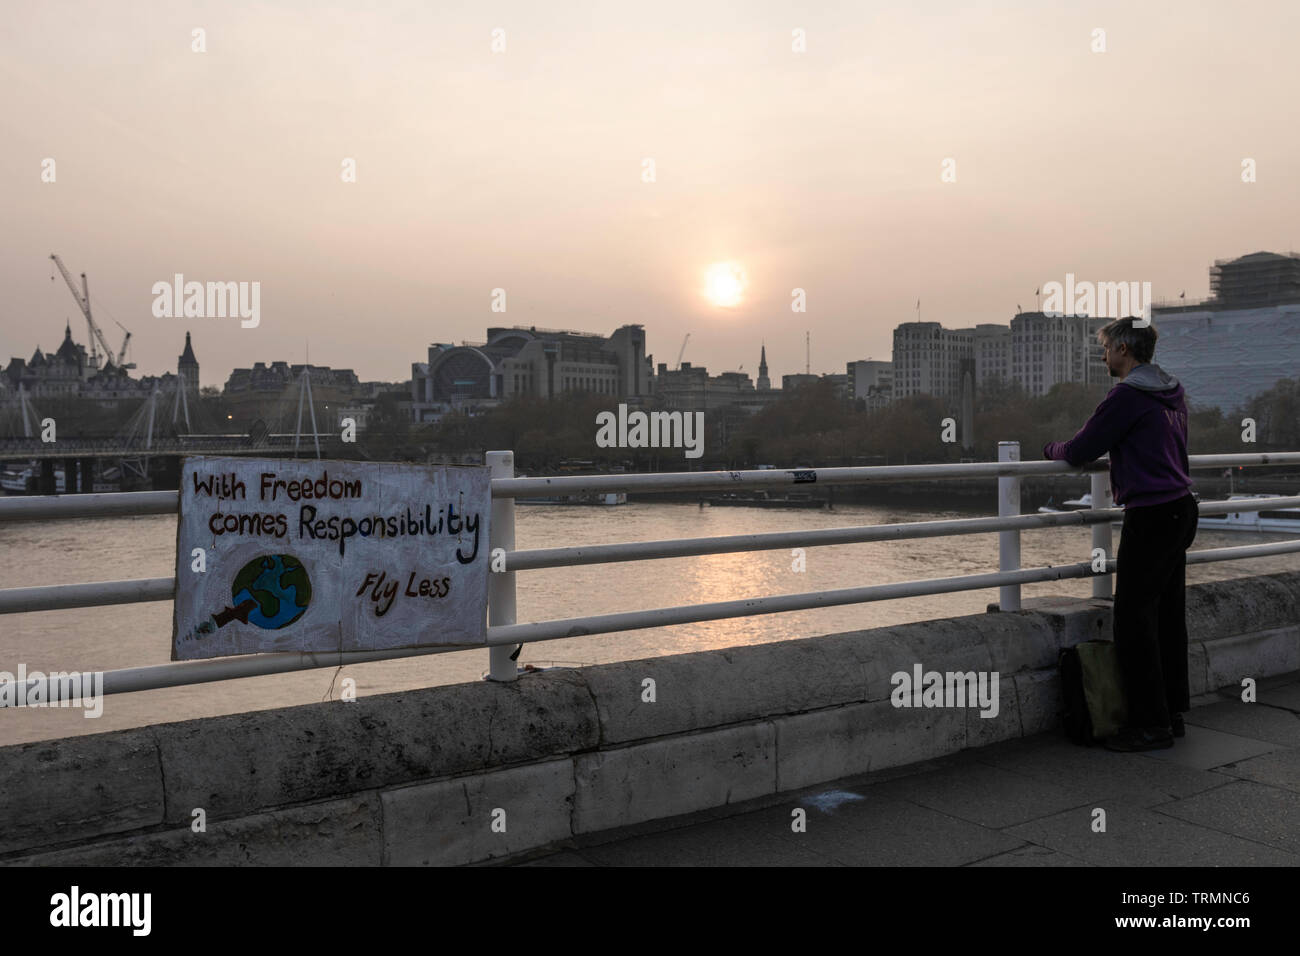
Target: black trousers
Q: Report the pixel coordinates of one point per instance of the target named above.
(1150, 620)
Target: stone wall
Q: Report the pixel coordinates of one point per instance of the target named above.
(472, 772)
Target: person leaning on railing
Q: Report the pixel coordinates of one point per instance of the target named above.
(1142, 423)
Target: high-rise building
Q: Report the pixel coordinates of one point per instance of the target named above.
(1050, 349)
(1094, 371)
(1036, 350)
(991, 344)
(1241, 340)
(927, 359)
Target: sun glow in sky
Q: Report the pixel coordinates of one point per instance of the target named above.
(816, 166)
(724, 284)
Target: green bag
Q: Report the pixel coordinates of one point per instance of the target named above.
(1093, 687)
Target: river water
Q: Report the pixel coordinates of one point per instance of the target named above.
(108, 638)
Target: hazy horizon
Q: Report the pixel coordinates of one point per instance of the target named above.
(522, 169)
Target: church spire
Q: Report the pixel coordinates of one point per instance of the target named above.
(764, 383)
(187, 367)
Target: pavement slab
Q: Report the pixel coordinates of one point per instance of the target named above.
(1227, 794)
(751, 839)
(1030, 855)
(874, 831)
(1280, 693)
(1096, 774)
(1281, 768)
(1206, 749)
(1136, 836)
(1258, 721)
(1247, 809)
(563, 858)
(1282, 698)
(991, 796)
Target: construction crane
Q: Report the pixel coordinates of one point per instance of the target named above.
(683, 350)
(121, 355)
(83, 302)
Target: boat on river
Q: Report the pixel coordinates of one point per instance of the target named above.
(1082, 503)
(15, 480)
(1266, 519)
(764, 499)
(601, 498)
(588, 498)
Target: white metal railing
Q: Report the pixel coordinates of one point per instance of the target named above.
(504, 634)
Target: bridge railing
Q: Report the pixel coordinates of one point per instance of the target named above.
(505, 634)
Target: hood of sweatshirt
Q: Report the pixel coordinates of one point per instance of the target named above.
(1156, 382)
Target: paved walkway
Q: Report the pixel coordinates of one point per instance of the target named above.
(1227, 794)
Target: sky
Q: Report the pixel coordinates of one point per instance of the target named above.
(525, 168)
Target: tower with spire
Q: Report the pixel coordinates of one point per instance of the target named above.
(187, 367)
(69, 362)
(764, 383)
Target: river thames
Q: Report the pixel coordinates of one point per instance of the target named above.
(134, 635)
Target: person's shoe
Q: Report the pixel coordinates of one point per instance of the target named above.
(1176, 724)
(1136, 739)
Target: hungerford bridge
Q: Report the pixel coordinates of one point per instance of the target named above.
(25, 449)
(155, 431)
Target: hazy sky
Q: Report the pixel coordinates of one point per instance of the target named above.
(523, 169)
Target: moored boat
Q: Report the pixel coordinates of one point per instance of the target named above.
(583, 498)
(1266, 519)
(764, 499)
(18, 481)
(604, 498)
(1082, 503)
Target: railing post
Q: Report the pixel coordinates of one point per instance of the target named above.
(501, 585)
(1101, 532)
(1009, 541)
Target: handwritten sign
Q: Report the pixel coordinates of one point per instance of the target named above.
(284, 555)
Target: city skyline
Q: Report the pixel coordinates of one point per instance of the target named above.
(1265, 279)
(475, 170)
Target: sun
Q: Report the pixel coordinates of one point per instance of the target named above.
(724, 284)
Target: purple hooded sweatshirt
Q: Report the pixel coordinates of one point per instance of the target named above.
(1142, 422)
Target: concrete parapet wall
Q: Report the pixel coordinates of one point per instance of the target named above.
(473, 772)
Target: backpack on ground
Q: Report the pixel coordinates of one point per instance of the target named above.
(1093, 691)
